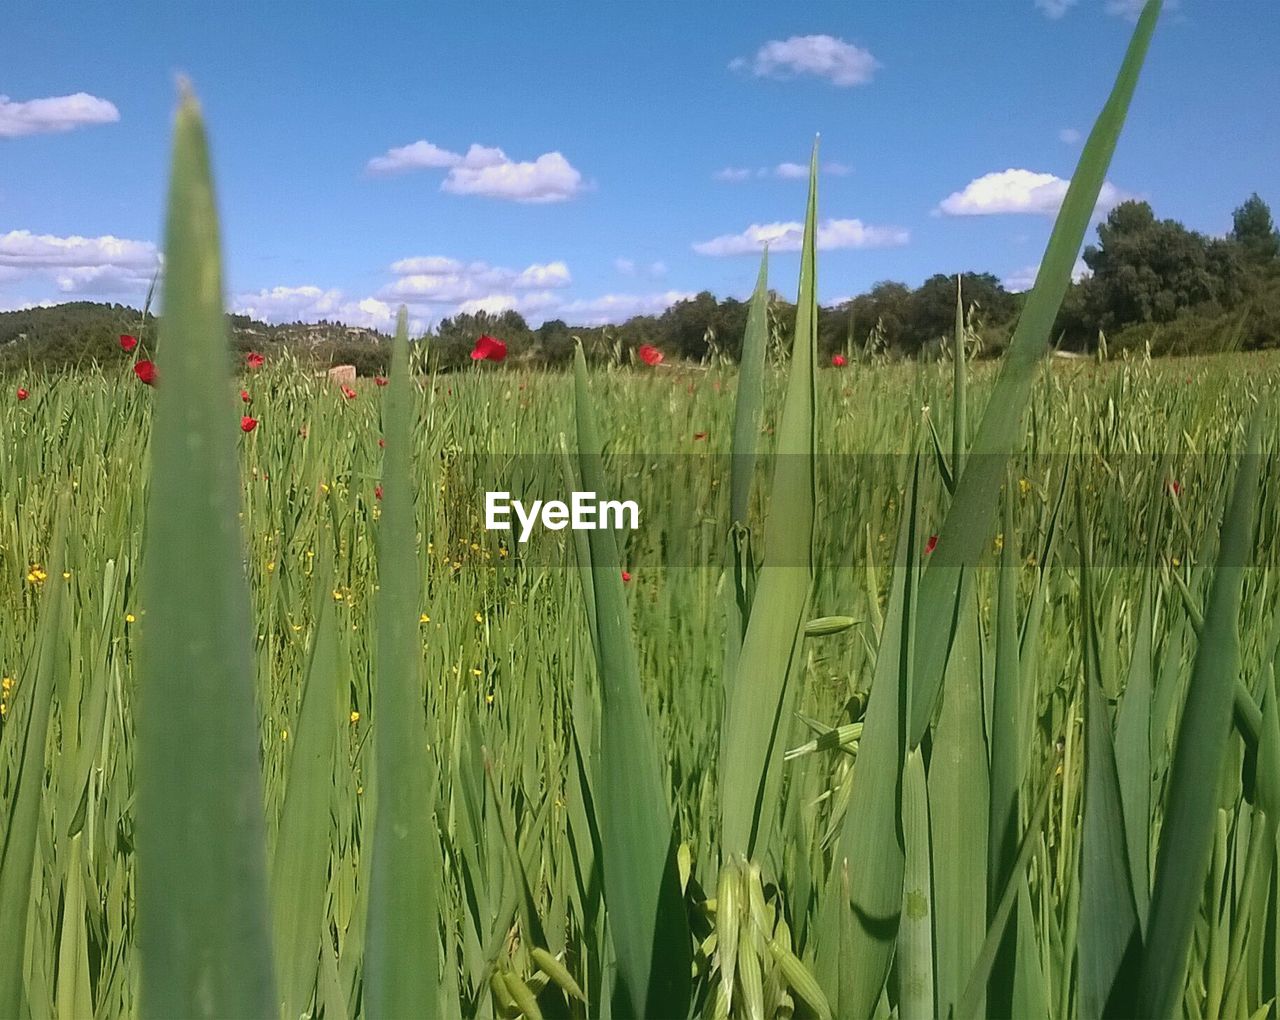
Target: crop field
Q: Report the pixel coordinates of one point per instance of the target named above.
(922, 689)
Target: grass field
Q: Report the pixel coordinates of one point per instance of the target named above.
(937, 689)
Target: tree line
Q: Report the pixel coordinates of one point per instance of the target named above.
(1150, 284)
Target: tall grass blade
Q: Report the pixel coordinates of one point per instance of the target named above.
(402, 967)
(756, 715)
(22, 826)
(202, 908)
(1191, 803)
(638, 844)
(1108, 936)
(300, 862)
(966, 529)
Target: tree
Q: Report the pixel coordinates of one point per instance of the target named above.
(1144, 269)
(1252, 228)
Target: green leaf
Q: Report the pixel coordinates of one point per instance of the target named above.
(402, 967)
(638, 844)
(1191, 805)
(202, 907)
(915, 934)
(755, 716)
(300, 862)
(30, 724)
(966, 528)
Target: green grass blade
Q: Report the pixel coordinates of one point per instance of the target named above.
(747, 413)
(864, 898)
(1108, 939)
(1191, 806)
(300, 862)
(959, 397)
(1133, 755)
(749, 403)
(915, 934)
(966, 529)
(959, 806)
(641, 881)
(756, 715)
(22, 826)
(202, 884)
(402, 969)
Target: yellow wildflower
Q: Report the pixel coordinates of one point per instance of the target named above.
(130, 618)
(355, 717)
(424, 618)
(1024, 485)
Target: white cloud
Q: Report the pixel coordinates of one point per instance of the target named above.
(80, 266)
(435, 279)
(1018, 191)
(1130, 9)
(311, 304)
(788, 237)
(54, 114)
(549, 178)
(487, 171)
(784, 171)
(822, 56)
(608, 308)
(1024, 279)
(420, 155)
(1055, 8)
(1069, 136)
(629, 267)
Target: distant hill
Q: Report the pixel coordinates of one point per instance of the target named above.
(79, 333)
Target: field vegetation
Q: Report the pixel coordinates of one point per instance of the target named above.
(925, 688)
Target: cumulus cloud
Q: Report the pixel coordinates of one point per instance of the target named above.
(420, 155)
(311, 304)
(821, 56)
(788, 237)
(783, 171)
(1055, 8)
(54, 114)
(487, 171)
(1018, 191)
(607, 308)
(1024, 279)
(437, 280)
(81, 266)
(629, 267)
(1130, 9)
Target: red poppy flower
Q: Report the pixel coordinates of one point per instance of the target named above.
(489, 348)
(244, 395)
(626, 576)
(1175, 488)
(348, 392)
(22, 393)
(699, 435)
(254, 360)
(145, 371)
(248, 424)
(382, 444)
(838, 361)
(380, 380)
(649, 354)
(127, 342)
(932, 544)
(377, 491)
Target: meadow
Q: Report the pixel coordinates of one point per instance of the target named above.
(931, 689)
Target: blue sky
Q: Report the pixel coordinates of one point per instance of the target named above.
(589, 160)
